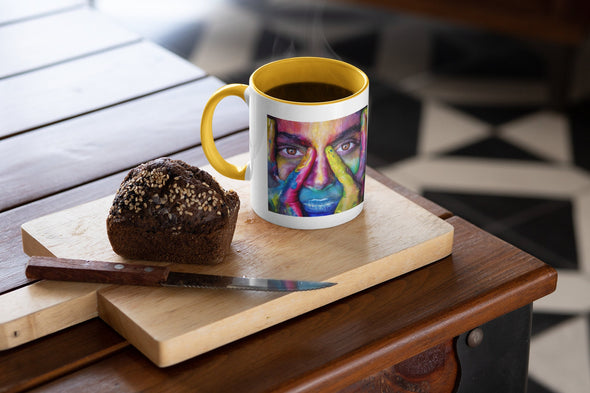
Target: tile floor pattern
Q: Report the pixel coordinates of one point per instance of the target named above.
(458, 115)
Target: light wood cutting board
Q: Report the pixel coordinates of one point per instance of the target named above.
(392, 236)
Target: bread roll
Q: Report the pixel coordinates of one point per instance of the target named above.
(167, 210)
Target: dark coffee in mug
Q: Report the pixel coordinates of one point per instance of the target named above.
(309, 92)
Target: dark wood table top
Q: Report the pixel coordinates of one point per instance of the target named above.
(82, 102)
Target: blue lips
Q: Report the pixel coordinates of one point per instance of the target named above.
(320, 202)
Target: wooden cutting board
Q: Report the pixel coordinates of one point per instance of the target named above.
(392, 236)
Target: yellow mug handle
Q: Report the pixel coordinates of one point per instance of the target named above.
(207, 141)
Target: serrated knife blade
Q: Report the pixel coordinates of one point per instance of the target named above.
(63, 269)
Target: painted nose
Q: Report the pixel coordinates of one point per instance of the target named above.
(321, 174)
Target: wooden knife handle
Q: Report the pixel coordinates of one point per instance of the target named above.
(62, 269)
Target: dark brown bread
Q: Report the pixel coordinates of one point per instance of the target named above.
(167, 210)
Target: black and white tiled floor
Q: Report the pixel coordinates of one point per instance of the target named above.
(456, 114)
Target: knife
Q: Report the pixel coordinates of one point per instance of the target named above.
(62, 269)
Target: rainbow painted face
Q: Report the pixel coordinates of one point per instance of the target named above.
(316, 168)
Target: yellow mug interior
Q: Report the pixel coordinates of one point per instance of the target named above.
(309, 69)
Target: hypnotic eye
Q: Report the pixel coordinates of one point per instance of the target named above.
(345, 147)
(290, 152)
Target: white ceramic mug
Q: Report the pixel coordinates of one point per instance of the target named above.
(308, 141)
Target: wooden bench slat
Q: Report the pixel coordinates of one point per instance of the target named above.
(65, 351)
(41, 42)
(66, 90)
(15, 11)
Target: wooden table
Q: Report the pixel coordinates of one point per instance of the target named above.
(83, 101)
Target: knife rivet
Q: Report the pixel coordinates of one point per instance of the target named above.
(148, 269)
(119, 266)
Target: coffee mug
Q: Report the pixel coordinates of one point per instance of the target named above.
(307, 141)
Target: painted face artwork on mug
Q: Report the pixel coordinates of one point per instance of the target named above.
(316, 168)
